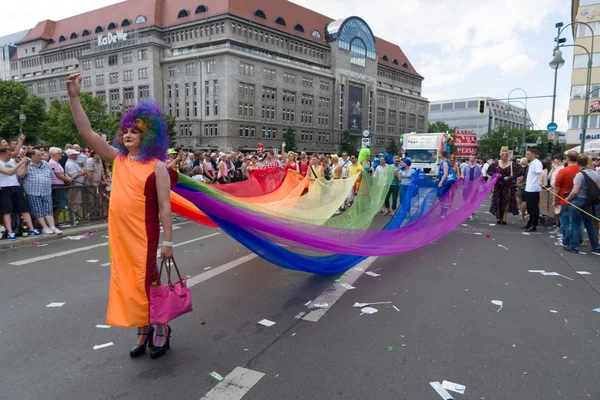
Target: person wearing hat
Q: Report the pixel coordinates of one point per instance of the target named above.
(174, 159)
(75, 171)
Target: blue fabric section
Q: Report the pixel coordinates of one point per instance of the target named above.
(422, 195)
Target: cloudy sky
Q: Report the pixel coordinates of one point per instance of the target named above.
(466, 48)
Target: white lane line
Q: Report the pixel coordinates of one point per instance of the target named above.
(77, 250)
(219, 270)
(334, 292)
(235, 385)
(59, 254)
(101, 346)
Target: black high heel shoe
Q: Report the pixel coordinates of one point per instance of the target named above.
(159, 351)
(138, 350)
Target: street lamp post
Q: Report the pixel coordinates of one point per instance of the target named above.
(556, 65)
(558, 62)
(22, 119)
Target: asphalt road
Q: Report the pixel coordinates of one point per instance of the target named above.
(441, 323)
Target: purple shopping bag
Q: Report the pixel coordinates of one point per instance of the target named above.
(169, 301)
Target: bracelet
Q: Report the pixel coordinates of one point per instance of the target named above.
(168, 244)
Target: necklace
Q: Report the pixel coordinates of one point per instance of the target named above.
(134, 158)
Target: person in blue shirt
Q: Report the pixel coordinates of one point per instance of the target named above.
(446, 178)
(405, 175)
(394, 187)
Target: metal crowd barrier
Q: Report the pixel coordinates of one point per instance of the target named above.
(79, 203)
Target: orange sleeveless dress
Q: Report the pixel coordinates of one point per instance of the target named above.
(133, 234)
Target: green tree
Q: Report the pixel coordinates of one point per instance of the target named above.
(491, 142)
(346, 143)
(438, 127)
(60, 127)
(392, 148)
(289, 137)
(13, 95)
(171, 130)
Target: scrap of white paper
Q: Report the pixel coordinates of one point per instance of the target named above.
(455, 387)
(581, 252)
(55, 304)
(464, 225)
(505, 248)
(373, 274)
(369, 310)
(583, 273)
(361, 305)
(92, 261)
(553, 311)
(596, 310)
(321, 305)
(492, 224)
(498, 303)
(266, 322)
(441, 391)
(347, 286)
(42, 245)
(537, 271)
(525, 233)
(478, 233)
(101, 346)
(396, 308)
(103, 326)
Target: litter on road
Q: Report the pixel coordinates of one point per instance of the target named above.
(390, 348)
(368, 310)
(101, 346)
(441, 391)
(103, 326)
(553, 311)
(339, 280)
(596, 310)
(536, 271)
(320, 305)
(266, 322)
(347, 286)
(307, 303)
(361, 305)
(373, 274)
(505, 248)
(56, 304)
(583, 273)
(454, 387)
(43, 245)
(207, 268)
(396, 308)
(498, 303)
(216, 376)
(92, 261)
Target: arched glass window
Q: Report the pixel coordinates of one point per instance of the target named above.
(62, 38)
(405, 65)
(384, 58)
(126, 22)
(201, 9)
(111, 26)
(395, 62)
(299, 28)
(99, 29)
(74, 35)
(140, 19)
(345, 31)
(183, 14)
(358, 52)
(50, 41)
(280, 21)
(260, 14)
(85, 33)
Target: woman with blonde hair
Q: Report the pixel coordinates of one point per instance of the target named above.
(504, 199)
(521, 184)
(290, 160)
(336, 168)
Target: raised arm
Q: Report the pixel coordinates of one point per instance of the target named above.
(15, 153)
(107, 152)
(163, 189)
(11, 171)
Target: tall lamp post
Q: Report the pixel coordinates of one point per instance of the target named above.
(22, 119)
(524, 110)
(558, 61)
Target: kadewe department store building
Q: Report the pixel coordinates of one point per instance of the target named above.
(232, 72)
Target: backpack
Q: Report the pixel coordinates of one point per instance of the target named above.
(593, 192)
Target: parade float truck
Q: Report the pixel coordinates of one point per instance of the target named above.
(424, 150)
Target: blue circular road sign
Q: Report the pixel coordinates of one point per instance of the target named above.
(552, 127)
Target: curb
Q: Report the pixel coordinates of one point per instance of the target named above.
(80, 229)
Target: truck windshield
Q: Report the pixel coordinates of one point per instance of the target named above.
(422, 156)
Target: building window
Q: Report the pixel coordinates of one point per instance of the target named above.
(207, 108)
(113, 60)
(127, 57)
(52, 86)
(190, 69)
(100, 79)
(211, 66)
(268, 112)
(101, 95)
(140, 19)
(112, 26)
(128, 98)
(370, 117)
(289, 97)
(289, 78)
(280, 21)
(269, 74)
(99, 62)
(128, 75)
(307, 100)
(41, 88)
(201, 9)
(113, 77)
(246, 69)
(341, 121)
(260, 14)
(172, 72)
(269, 93)
(246, 110)
(216, 96)
(74, 36)
(126, 22)
(183, 14)
(323, 85)
(269, 133)
(115, 100)
(86, 64)
(62, 38)
(143, 73)
(144, 92)
(308, 82)
(299, 28)
(246, 90)
(288, 115)
(143, 54)
(99, 29)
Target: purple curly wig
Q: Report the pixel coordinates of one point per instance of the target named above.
(148, 118)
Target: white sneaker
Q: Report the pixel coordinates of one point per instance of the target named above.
(56, 230)
(47, 231)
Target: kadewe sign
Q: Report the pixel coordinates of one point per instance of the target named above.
(110, 38)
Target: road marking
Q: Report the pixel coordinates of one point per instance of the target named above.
(101, 346)
(334, 292)
(77, 250)
(219, 270)
(235, 385)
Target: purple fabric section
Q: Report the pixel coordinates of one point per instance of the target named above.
(452, 209)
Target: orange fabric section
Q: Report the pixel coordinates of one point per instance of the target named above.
(128, 304)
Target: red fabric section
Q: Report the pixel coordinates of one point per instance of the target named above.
(261, 182)
(152, 232)
(564, 180)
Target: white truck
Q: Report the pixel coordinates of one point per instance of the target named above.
(423, 150)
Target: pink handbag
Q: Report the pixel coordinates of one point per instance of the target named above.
(170, 300)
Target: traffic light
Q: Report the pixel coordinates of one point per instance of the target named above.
(481, 108)
(550, 147)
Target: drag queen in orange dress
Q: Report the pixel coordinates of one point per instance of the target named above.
(139, 202)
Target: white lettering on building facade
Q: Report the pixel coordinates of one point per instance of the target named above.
(110, 38)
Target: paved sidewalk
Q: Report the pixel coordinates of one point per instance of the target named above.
(67, 231)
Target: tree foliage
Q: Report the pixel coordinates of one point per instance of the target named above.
(438, 127)
(171, 130)
(289, 137)
(491, 143)
(346, 143)
(392, 147)
(13, 95)
(60, 126)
